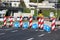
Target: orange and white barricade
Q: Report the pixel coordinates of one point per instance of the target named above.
(30, 21)
(42, 22)
(11, 21)
(53, 23)
(4, 20)
(21, 21)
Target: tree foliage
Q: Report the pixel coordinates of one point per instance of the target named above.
(22, 4)
(36, 1)
(58, 1)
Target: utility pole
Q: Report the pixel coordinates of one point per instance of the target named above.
(0, 2)
(37, 7)
(56, 8)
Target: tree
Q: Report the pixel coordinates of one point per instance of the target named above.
(35, 1)
(58, 1)
(40, 1)
(22, 4)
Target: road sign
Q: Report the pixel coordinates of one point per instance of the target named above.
(16, 24)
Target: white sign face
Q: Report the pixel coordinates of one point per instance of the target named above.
(3, 12)
(51, 14)
(15, 4)
(32, 11)
(16, 15)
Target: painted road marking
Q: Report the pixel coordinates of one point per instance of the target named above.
(2, 33)
(14, 31)
(23, 29)
(30, 39)
(36, 30)
(41, 35)
(41, 30)
(49, 32)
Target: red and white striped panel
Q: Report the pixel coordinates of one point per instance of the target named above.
(42, 23)
(11, 21)
(21, 21)
(5, 21)
(51, 18)
(30, 21)
(53, 23)
(39, 22)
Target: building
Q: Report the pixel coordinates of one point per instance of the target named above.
(44, 4)
(14, 3)
(54, 1)
(28, 4)
(12, 7)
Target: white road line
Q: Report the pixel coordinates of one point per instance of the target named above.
(2, 33)
(49, 32)
(23, 29)
(14, 31)
(36, 30)
(41, 30)
(41, 35)
(30, 39)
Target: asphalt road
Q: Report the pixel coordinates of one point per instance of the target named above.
(28, 34)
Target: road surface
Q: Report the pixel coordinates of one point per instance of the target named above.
(28, 34)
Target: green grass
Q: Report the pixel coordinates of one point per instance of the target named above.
(1, 23)
(58, 11)
(26, 10)
(35, 12)
(46, 12)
